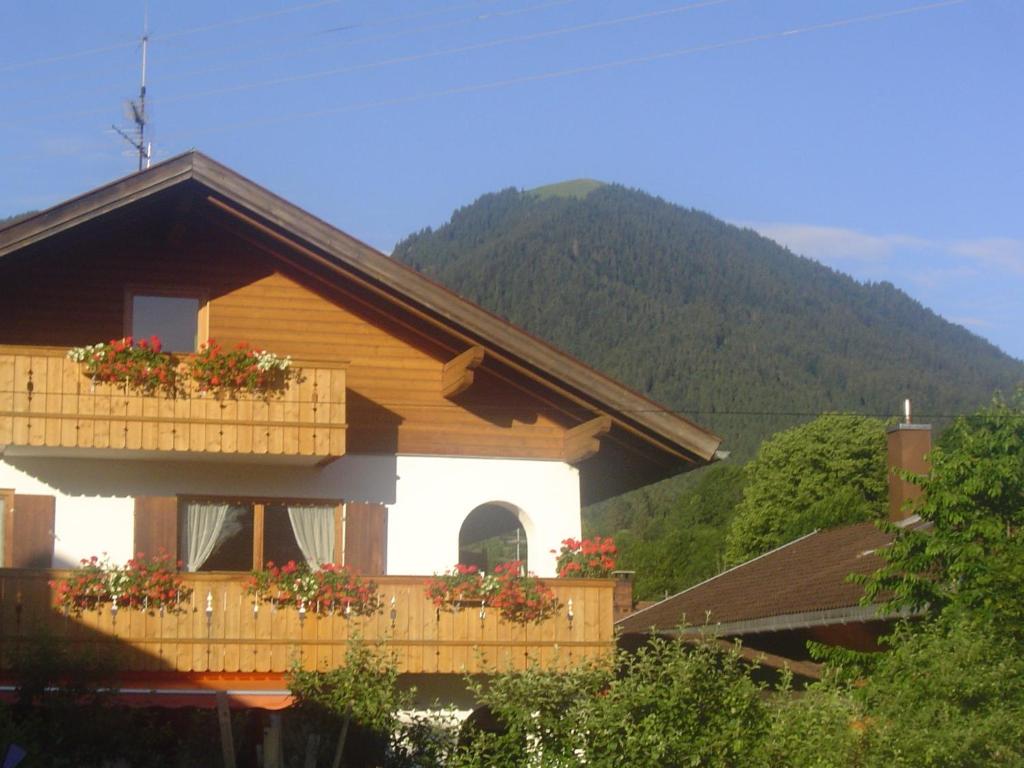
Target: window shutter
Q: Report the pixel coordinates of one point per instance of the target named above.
(366, 537)
(32, 522)
(156, 525)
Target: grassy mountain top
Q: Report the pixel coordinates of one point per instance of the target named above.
(577, 188)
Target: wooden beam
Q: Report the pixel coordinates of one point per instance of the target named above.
(457, 375)
(582, 442)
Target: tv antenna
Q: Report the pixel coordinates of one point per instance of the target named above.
(135, 110)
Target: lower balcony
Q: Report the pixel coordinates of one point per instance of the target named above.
(221, 630)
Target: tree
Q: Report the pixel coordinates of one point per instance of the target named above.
(669, 704)
(684, 546)
(827, 472)
(969, 556)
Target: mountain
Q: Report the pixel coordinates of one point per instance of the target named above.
(716, 322)
(713, 320)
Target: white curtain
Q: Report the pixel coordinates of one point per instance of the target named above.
(314, 532)
(204, 525)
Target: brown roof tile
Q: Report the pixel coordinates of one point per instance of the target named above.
(806, 575)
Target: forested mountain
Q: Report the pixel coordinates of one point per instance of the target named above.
(712, 320)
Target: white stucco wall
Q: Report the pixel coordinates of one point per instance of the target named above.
(436, 494)
(428, 498)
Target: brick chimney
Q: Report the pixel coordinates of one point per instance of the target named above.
(908, 445)
(622, 597)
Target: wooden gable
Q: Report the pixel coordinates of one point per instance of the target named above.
(426, 372)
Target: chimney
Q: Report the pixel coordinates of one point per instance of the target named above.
(908, 445)
(622, 596)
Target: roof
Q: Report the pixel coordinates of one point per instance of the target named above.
(313, 239)
(802, 583)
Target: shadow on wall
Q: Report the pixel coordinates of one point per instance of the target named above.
(351, 477)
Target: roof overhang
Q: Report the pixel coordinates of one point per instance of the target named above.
(333, 250)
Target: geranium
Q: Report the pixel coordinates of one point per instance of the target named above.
(587, 558)
(151, 584)
(242, 369)
(138, 363)
(522, 598)
(461, 584)
(518, 597)
(326, 589)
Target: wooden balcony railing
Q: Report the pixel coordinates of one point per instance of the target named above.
(236, 637)
(46, 401)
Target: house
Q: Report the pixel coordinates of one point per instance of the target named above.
(801, 591)
(418, 426)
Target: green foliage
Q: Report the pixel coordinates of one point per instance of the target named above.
(825, 473)
(971, 556)
(950, 693)
(677, 541)
(815, 729)
(365, 688)
(670, 704)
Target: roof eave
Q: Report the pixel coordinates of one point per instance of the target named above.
(95, 202)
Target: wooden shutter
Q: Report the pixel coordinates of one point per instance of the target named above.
(32, 522)
(156, 525)
(366, 537)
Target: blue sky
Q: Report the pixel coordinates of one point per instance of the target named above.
(882, 137)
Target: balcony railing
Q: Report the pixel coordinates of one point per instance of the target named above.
(235, 635)
(46, 401)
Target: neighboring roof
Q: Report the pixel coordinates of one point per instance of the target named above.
(802, 583)
(331, 248)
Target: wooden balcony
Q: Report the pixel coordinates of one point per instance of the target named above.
(47, 402)
(238, 638)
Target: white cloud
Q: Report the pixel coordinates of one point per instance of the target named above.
(999, 252)
(836, 245)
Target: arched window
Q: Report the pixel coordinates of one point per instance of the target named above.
(492, 534)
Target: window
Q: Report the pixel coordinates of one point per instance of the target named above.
(491, 534)
(177, 318)
(231, 535)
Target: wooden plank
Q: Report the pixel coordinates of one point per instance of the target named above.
(53, 402)
(6, 399)
(71, 381)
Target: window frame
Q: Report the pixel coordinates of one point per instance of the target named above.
(258, 505)
(6, 520)
(174, 292)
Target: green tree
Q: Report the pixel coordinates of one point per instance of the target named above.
(949, 693)
(668, 704)
(827, 472)
(969, 556)
(684, 546)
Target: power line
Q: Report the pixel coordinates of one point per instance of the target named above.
(555, 74)
(378, 22)
(166, 36)
(366, 40)
(446, 51)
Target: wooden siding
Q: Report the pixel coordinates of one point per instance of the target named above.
(394, 364)
(239, 639)
(45, 400)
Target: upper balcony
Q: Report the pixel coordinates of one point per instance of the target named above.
(48, 404)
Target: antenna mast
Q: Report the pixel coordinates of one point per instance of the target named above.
(138, 108)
